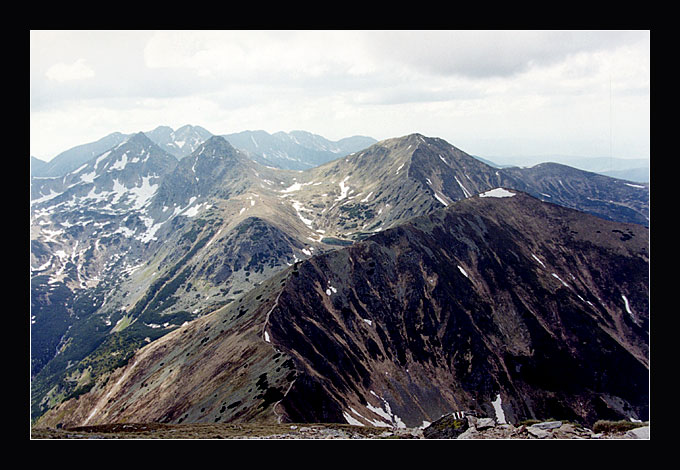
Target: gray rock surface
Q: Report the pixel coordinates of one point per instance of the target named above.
(538, 432)
(638, 433)
(547, 425)
(485, 423)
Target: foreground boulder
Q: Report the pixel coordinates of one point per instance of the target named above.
(447, 427)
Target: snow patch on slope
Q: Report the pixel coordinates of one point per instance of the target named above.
(497, 406)
(497, 192)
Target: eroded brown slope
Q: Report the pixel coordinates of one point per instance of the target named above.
(217, 368)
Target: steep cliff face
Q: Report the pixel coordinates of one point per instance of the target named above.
(500, 305)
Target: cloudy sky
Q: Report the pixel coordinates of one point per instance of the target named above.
(490, 93)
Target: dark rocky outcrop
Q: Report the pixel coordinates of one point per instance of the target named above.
(446, 427)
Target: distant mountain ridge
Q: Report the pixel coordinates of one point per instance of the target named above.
(181, 142)
(297, 150)
(302, 150)
(632, 169)
(71, 159)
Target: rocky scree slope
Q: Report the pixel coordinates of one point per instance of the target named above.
(504, 306)
(397, 179)
(88, 229)
(447, 427)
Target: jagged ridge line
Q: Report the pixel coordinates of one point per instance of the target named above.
(264, 338)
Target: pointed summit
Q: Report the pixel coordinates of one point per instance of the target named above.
(215, 168)
(140, 138)
(137, 156)
(398, 178)
(217, 150)
(215, 146)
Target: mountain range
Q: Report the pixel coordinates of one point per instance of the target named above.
(301, 150)
(295, 150)
(138, 246)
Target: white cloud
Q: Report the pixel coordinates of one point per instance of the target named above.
(288, 58)
(485, 54)
(78, 70)
(487, 92)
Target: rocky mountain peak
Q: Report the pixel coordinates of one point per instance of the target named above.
(140, 138)
(213, 156)
(188, 128)
(420, 149)
(215, 145)
(181, 142)
(138, 154)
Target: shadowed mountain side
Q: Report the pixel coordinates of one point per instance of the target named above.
(493, 297)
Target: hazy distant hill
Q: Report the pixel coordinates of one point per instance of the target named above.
(71, 159)
(295, 150)
(631, 169)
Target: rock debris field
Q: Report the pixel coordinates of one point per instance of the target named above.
(446, 427)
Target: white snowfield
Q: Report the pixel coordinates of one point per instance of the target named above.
(497, 192)
(497, 406)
